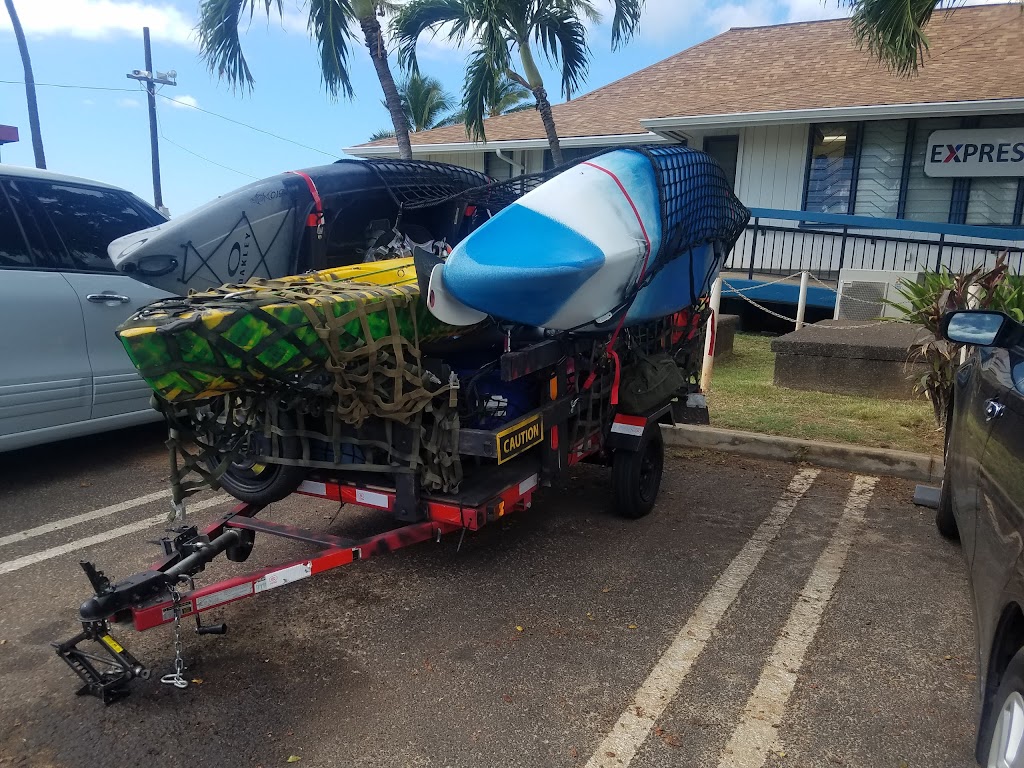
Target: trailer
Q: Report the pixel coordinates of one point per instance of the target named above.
(577, 383)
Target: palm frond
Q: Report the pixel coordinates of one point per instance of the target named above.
(509, 97)
(893, 30)
(330, 23)
(625, 21)
(383, 133)
(485, 70)
(220, 46)
(563, 38)
(419, 16)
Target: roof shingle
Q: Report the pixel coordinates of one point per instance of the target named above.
(975, 53)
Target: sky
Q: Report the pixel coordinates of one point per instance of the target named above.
(104, 134)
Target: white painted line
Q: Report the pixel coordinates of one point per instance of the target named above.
(634, 725)
(85, 517)
(757, 733)
(47, 554)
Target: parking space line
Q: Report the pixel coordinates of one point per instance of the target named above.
(757, 733)
(85, 517)
(47, 554)
(619, 747)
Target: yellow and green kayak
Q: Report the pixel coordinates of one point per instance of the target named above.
(267, 331)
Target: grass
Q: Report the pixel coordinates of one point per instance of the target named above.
(742, 396)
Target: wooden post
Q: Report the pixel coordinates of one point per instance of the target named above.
(801, 305)
(709, 335)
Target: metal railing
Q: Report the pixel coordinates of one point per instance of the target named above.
(779, 242)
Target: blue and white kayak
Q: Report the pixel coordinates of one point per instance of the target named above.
(571, 252)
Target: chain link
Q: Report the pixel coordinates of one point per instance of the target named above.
(761, 285)
(176, 678)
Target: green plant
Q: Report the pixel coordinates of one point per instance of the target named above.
(926, 302)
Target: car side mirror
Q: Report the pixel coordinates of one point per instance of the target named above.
(978, 327)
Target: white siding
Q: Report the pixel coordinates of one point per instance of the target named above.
(473, 160)
(772, 161)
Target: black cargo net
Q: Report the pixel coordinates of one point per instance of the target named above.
(422, 184)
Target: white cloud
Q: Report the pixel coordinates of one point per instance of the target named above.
(666, 20)
(735, 15)
(89, 102)
(128, 102)
(181, 102)
(102, 19)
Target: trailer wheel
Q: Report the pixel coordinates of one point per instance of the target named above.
(637, 475)
(258, 483)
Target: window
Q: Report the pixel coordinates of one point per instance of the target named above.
(87, 219)
(573, 154)
(725, 150)
(993, 200)
(13, 248)
(928, 198)
(881, 168)
(830, 173)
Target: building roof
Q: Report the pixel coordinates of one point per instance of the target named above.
(975, 54)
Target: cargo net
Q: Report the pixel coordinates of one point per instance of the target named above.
(332, 377)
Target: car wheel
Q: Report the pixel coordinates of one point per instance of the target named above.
(1004, 725)
(637, 475)
(258, 483)
(944, 519)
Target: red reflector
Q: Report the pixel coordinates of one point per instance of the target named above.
(554, 438)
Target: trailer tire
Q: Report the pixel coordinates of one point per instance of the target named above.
(636, 475)
(261, 484)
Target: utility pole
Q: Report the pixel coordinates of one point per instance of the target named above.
(152, 79)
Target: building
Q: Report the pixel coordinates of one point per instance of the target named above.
(8, 134)
(805, 121)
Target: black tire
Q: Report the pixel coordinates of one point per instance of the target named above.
(1009, 699)
(636, 475)
(261, 484)
(945, 521)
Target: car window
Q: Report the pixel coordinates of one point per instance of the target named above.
(47, 252)
(87, 219)
(13, 248)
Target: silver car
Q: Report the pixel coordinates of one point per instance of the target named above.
(63, 373)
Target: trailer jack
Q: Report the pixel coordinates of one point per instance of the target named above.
(105, 675)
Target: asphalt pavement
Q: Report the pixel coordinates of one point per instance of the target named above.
(765, 614)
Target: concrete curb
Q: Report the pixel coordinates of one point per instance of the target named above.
(853, 458)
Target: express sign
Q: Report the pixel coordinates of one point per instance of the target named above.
(984, 152)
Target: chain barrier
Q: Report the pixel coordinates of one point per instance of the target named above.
(725, 284)
(823, 284)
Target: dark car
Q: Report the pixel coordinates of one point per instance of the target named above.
(982, 502)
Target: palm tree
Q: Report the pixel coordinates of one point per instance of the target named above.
(426, 103)
(30, 87)
(331, 25)
(509, 97)
(893, 30)
(500, 27)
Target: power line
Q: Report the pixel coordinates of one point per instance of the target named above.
(208, 160)
(246, 125)
(68, 85)
(333, 155)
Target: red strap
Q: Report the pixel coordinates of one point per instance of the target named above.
(610, 349)
(314, 219)
(714, 332)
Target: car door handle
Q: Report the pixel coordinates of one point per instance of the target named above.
(993, 409)
(103, 298)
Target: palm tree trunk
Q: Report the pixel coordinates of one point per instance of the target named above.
(30, 87)
(544, 107)
(379, 54)
(536, 84)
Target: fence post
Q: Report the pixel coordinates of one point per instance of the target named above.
(801, 305)
(938, 255)
(753, 250)
(709, 335)
(842, 247)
